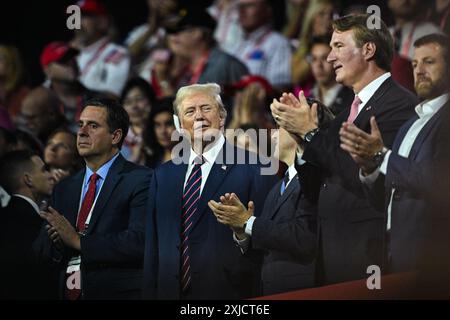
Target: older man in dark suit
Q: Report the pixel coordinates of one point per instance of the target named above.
(188, 254)
(351, 230)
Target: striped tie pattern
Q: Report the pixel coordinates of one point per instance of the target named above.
(191, 196)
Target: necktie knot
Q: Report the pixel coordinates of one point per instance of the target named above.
(199, 160)
(94, 177)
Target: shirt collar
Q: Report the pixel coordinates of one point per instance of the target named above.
(210, 155)
(31, 202)
(292, 171)
(367, 92)
(102, 172)
(430, 107)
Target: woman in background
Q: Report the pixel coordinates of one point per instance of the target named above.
(137, 98)
(158, 142)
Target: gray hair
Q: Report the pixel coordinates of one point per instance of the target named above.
(210, 89)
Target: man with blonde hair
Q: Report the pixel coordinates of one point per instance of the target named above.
(188, 254)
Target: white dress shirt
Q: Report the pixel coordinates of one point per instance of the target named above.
(209, 157)
(425, 110)
(369, 90)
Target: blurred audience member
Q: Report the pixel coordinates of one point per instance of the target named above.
(5, 119)
(26, 141)
(334, 95)
(295, 10)
(61, 155)
(144, 38)
(442, 15)
(158, 143)
(252, 102)
(410, 24)
(228, 30)
(59, 65)
(104, 66)
(264, 51)
(12, 88)
(25, 177)
(41, 113)
(138, 99)
(317, 23)
(192, 38)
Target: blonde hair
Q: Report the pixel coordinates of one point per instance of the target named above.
(299, 65)
(14, 67)
(210, 89)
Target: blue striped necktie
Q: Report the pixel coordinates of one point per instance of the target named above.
(285, 182)
(191, 197)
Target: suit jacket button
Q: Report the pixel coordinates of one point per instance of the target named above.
(324, 185)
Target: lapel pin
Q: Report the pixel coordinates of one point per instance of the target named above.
(368, 108)
(224, 167)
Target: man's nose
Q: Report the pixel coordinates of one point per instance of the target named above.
(198, 114)
(82, 131)
(331, 57)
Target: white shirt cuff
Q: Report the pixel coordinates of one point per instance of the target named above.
(384, 164)
(369, 179)
(249, 226)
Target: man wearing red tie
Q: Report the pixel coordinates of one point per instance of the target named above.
(96, 218)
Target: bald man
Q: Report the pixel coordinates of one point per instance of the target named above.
(41, 114)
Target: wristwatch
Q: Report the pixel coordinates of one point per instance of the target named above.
(310, 134)
(379, 156)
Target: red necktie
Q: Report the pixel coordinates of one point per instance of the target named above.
(87, 203)
(354, 109)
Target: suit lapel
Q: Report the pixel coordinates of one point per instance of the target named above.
(425, 132)
(111, 181)
(292, 186)
(368, 109)
(402, 132)
(72, 201)
(178, 177)
(218, 173)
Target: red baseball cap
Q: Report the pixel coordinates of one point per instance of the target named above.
(93, 7)
(249, 79)
(57, 52)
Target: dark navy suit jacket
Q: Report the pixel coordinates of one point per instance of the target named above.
(286, 232)
(420, 204)
(112, 249)
(218, 268)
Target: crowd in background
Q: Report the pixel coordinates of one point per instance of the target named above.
(239, 44)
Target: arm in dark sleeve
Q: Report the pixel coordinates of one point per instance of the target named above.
(151, 246)
(296, 236)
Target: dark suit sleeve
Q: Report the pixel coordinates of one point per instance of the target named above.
(260, 187)
(43, 247)
(296, 236)
(324, 151)
(428, 179)
(151, 246)
(127, 246)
